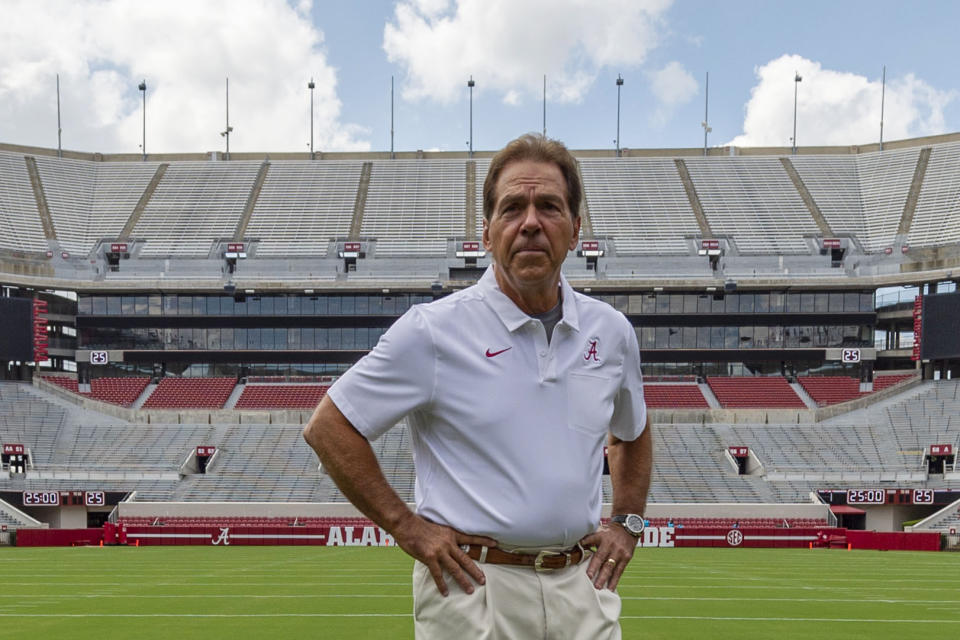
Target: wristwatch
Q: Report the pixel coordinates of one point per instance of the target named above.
(631, 522)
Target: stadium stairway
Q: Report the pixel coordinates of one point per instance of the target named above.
(800, 391)
(231, 402)
(138, 403)
(708, 395)
(13, 517)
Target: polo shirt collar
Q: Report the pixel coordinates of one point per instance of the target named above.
(510, 314)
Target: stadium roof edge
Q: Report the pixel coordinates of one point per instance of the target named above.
(463, 155)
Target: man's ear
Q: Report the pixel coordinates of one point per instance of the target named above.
(576, 233)
(486, 235)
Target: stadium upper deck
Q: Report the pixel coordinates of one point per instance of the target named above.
(743, 261)
(830, 217)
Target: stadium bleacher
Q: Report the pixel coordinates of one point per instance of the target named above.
(409, 216)
(281, 396)
(744, 392)
(191, 393)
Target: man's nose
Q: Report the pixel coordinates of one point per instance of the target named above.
(531, 219)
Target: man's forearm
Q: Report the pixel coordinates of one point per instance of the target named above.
(631, 463)
(348, 458)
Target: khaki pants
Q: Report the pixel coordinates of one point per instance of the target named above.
(516, 603)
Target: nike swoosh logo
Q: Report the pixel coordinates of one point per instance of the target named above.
(490, 354)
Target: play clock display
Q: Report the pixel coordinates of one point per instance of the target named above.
(866, 496)
(41, 498)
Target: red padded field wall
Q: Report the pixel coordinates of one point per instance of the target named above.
(58, 537)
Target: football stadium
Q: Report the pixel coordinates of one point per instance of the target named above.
(169, 322)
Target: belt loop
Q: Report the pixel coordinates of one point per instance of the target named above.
(483, 555)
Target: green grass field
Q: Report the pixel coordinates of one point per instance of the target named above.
(248, 593)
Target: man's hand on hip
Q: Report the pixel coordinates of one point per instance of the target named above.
(438, 547)
(614, 549)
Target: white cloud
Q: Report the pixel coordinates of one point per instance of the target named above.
(836, 107)
(184, 50)
(672, 86)
(507, 45)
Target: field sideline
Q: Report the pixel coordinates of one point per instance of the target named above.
(358, 592)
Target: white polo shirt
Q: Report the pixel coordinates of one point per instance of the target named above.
(508, 430)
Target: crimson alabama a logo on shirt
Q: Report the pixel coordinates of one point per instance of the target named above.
(591, 354)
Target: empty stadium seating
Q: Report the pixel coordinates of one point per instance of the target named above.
(120, 391)
(281, 396)
(190, 393)
(827, 390)
(744, 392)
(674, 396)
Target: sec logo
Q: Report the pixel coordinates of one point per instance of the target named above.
(734, 538)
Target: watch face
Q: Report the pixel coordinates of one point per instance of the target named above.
(634, 524)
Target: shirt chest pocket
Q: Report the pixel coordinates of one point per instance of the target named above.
(590, 402)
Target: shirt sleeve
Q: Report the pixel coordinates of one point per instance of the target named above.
(395, 378)
(630, 408)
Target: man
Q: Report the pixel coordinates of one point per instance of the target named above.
(511, 388)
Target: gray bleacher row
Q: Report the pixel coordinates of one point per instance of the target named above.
(272, 463)
(414, 207)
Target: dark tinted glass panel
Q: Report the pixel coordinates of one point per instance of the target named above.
(777, 302)
(851, 302)
(703, 337)
(731, 338)
(663, 338)
(761, 302)
(835, 304)
(635, 304)
(746, 302)
(821, 302)
(731, 303)
(113, 305)
(794, 302)
(648, 338)
(650, 303)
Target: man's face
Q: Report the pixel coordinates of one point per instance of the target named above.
(531, 227)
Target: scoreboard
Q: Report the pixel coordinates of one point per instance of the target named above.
(879, 496)
(42, 498)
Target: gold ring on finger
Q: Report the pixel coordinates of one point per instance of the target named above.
(611, 561)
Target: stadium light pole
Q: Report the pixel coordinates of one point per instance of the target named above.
(143, 145)
(311, 85)
(226, 132)
(883, 92)
(544, 105)
(470, 84)
(619, 84)
(59, 129)
(796, 82)
(391, 119)
(706, 113)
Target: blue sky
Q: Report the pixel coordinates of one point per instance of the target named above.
(663, 49)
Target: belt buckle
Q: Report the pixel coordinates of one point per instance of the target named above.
(538, 563)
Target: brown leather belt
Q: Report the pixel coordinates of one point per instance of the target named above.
(543, 561)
